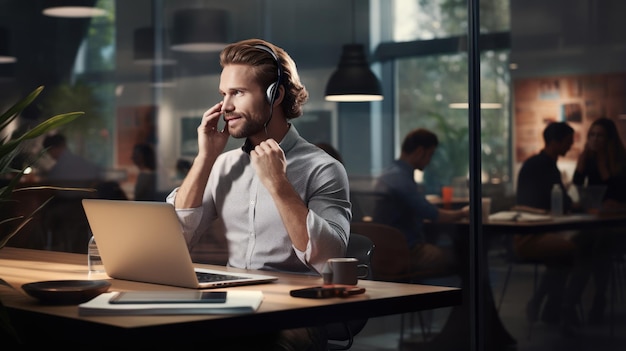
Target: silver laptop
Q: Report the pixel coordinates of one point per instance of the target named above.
(143, 241)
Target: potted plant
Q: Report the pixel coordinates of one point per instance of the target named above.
(10, 147)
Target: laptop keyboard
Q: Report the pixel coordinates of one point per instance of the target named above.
(204, 277)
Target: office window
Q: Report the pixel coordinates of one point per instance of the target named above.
(431, 19)
(432, 94)
(431, 89)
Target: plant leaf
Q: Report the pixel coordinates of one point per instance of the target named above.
(12, 112)
(8, 237)
(49, 124)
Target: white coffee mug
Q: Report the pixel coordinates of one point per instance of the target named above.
(344, 271)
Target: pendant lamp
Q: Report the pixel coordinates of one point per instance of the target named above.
(144, 48)
(162, 77)
(73, 9)
(5, 47)
(200, 30)
(353, 81)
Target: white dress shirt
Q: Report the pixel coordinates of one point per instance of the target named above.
(257, 238)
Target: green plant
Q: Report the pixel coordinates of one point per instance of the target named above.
(10, 147)
(451, 158)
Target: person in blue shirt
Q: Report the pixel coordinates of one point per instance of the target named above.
(405, 207)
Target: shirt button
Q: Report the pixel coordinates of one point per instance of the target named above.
(251, 202)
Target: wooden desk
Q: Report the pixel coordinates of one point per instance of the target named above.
(278, 310)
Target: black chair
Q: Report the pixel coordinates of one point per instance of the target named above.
(511, 260)
(341, 335)
(392, 264)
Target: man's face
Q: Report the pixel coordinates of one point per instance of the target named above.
(565, 144)
(245, 108)
(424, 155)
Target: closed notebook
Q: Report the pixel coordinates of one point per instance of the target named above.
(517, 216)
(237, 302)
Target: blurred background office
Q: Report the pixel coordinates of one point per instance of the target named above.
(141, 70)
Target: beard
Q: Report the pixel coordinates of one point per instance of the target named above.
(248, 128)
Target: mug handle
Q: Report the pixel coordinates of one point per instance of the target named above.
(363, 268)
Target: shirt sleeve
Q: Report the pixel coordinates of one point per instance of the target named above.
(328, 220)
(189, 218)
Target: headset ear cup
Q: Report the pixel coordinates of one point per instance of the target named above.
(270, 93)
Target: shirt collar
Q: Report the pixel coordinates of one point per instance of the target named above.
(404, 166)
(288, 142)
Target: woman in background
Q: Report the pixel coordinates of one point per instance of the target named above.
(602, 162)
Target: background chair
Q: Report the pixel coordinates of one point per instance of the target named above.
(391, 263)
(341, 335)
(511, 260)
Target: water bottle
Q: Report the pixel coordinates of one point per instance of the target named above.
(557, 200)
(94, 262)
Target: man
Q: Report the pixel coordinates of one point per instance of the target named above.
(405, 207)
(540, 172)
(282, 201)
(64, 218)
(536, 178)
(68, 169)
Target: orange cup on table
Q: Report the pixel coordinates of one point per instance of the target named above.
(446, 194)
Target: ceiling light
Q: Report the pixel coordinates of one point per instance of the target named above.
(144, 48)
(5, 47)
(162, 77)
(73, 9)
(483, 105)
(353, 81)
(200, 30)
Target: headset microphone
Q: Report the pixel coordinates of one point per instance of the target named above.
(272, 91)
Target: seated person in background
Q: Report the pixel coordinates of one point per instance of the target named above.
(602, 162)
(68, 168)
(403, 206)
(283, 202)
(145, 187)
(536, 178)
(64, 218)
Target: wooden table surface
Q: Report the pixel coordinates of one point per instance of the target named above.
(277, 311)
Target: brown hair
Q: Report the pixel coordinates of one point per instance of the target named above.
(419, 137)
(616, 153)
(245, 53)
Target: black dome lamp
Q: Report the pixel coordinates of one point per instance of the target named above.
(5, 47)
(200, 30)
(353, 81)
(73, 9)
(144, 48)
